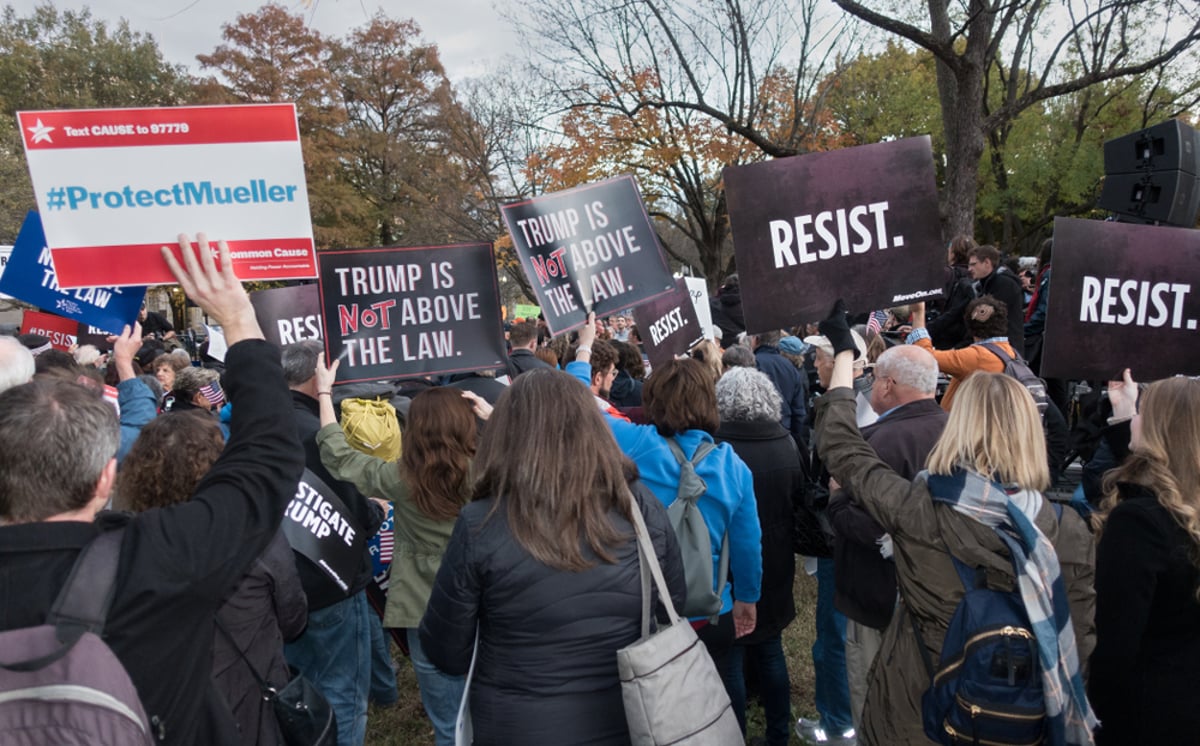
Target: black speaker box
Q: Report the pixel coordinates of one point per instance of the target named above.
(1170, 146)
(1167, 197)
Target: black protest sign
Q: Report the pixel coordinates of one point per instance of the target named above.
(391, 313)
(859, 224)
(319, 526)
(1121, 297)
(288, 315)
(668, 325)
(95, 336)
(591, 248)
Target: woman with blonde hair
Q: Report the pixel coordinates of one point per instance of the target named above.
(1143, 674)
(428, 487)
(979, 507)
(543, 567)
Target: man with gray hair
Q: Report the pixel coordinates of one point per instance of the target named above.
(58, 443)
(335, 650)
(16, 363)
(910, 423)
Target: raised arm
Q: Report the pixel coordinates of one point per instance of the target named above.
(238, 505)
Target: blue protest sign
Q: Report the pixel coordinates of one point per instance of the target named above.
(29, 276)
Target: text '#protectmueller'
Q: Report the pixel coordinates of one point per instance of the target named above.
(183, 193)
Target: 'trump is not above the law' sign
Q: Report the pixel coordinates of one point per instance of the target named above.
(1122, 296)
(859, 224)
(590, 248)
(411, 311)
(115, 185)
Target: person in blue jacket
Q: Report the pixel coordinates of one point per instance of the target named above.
(680, 401)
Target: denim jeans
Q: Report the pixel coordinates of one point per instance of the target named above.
(440, 693)
(829, 657)
(334, 653)
(765, 660)
(383, 690)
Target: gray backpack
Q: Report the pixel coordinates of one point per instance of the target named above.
(60, 683)
(691, 533)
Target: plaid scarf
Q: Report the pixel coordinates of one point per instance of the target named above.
(1043, 593)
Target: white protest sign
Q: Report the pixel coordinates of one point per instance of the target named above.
(698, 289)
(115, 185)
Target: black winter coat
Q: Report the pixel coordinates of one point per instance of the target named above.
(178, 564)
(267, 609)
(779, 483)
(548, 639)
(1144, 668)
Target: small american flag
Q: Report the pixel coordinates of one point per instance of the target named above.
(877, 321)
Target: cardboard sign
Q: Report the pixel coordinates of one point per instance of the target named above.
(859, 224)
(590, 248)
(63, 333)
(391, 313)
(668, 325)
(30, 276)
(1122, 296)
(319, 526)
(288, 315)
(698, 289)
(115, 185)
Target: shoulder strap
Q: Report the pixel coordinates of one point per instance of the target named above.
(82, 604)
(84, 600)
(702, 450)
(997, 351)
(268, 691)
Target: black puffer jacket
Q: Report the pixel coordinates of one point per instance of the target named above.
(547, 666)
(779, 482)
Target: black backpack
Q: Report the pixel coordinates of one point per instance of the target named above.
(1016, 367)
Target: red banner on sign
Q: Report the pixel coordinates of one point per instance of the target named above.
(61, 332)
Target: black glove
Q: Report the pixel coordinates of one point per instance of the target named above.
(836, 328)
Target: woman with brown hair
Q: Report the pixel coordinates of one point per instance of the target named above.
(1143, 674)
(171, 455)
(428, 487)
(544, 565)
(679, 400)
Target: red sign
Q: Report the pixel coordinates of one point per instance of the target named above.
(61, 332)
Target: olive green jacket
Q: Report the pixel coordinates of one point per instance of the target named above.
(420, 541)
(930, 589)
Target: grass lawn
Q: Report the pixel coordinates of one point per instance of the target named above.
(405, 724)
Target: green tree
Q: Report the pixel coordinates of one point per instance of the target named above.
(999, 58)
(54, 59)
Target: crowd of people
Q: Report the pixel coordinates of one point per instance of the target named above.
(893, 460)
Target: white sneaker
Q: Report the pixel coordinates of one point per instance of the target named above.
(812, 732)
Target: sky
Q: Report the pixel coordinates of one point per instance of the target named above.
(470, 34)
